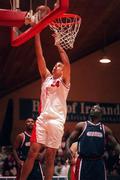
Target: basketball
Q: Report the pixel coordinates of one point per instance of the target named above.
(43, 10)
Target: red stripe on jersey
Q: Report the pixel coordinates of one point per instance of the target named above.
(72, 173)
(77, 168)
(33, 136)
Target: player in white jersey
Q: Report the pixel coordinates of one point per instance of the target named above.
(53, 99)
(50, 123)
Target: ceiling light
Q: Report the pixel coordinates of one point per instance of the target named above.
(105, 60)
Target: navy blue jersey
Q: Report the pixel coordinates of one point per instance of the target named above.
(91, 142)
(25, 146)
(36, 173)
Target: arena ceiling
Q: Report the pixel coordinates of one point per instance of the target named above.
(18, 65)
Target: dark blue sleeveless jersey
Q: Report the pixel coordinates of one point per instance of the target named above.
(24, 148)
(36, 173)
(91, 142)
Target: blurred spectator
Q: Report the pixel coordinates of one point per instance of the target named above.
(9, 166)
(58, 168)
(116, 169)
(60, 156)
(65, 168)
(3, 156)
(118, 166)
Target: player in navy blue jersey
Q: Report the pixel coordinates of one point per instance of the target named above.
(20, 149)
(91, 137)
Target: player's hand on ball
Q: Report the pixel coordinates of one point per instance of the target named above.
(29, 19)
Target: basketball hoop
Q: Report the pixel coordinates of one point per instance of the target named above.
(27, 31)
(66, 27)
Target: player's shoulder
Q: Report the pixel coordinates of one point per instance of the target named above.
(19, 138)
(46, 77)
(20, 135)
(81, 125)
(107, 130)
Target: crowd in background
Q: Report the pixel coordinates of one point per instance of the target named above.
(8, 165)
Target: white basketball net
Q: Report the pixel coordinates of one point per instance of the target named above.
(66, 27)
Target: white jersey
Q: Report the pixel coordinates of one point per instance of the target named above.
(53, 100)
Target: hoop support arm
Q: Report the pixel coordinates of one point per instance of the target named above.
(12, 17)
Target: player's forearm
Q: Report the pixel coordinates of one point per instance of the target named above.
(38, 47)
(117, 148)
(40, 58)
(63, 55)
(114, 144)
(69, 142)
(16, 156)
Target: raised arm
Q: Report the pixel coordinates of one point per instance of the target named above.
(111, 140)
(44, 72)
(65, 61)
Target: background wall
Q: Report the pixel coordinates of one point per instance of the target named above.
(90, 81)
